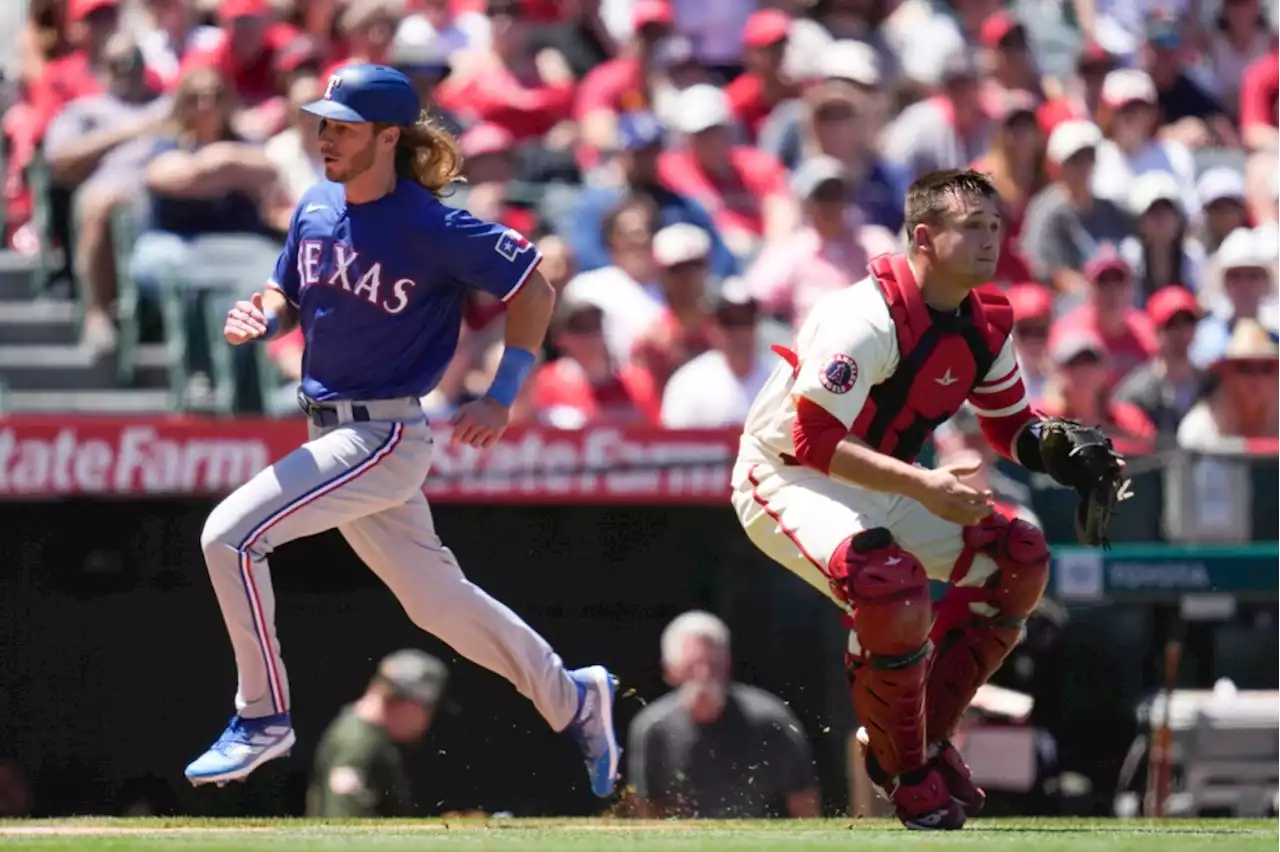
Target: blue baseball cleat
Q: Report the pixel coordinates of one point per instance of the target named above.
(592, 728)
(245, 745)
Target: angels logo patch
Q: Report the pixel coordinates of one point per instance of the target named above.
(839, 374)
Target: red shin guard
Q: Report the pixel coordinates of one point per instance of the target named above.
(889, 593)
(976, 628)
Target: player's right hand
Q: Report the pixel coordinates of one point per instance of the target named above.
(943, 493)
(246, 321)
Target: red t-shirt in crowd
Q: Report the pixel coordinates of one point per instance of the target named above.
(746, 99)
(735, 202)
(1259, 88)
(666, 346)
(1131, 347)
(628, 396)
(496, 95)
(254, 81)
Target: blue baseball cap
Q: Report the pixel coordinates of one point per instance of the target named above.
(368, 93)
(638, 130)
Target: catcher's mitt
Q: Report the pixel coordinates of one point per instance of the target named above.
(1083, 458)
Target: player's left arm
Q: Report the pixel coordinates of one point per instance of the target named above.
(1004, 410)
(502, 262)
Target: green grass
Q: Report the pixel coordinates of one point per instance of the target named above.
(544, 835)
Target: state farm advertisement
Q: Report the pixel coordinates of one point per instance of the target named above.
(51, 457)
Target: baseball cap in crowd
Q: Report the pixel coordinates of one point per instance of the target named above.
(1106, 260)
(1070, 138)
(674, 52)
(734, 303)
(485, 138)
(415, 675)
(637, 130)
(680, 243)
(1164, 29)
(368, 93)
(1000, 28)
(1150, 188)
(418, 47)
(815, 173)
(850, 60)
(1167, 302)
(652, 13)
(230, 10)
(930, 48)
(78, 10)
(1004, 104)
(1221, 183)
(1030, 301)
(766, 27)
(1243, 248)
(701, 107)
(1127, 85)
(1068, 347)
(300, 50)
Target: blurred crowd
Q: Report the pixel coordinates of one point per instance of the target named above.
(697, 173)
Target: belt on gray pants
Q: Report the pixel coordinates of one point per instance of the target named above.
(339, 411)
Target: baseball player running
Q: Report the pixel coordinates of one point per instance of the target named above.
(825, 484)
(375, 269)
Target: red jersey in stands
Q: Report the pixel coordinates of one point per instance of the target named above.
(563, 391)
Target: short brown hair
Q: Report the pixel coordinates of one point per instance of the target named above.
(929, 195)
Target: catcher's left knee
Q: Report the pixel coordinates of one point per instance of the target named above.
(1020, 555)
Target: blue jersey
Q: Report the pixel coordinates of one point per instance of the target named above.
(380, 287)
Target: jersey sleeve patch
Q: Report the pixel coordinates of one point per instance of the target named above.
(512, 244)
(840, 374)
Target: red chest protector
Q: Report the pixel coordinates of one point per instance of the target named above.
(941, 359)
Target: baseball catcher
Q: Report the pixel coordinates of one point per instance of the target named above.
(826, 485)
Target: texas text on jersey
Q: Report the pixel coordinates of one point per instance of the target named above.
(874, 361)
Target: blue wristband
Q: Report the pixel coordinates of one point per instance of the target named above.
(513, 369)
(273, 325)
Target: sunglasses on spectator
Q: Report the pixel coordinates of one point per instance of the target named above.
(1112, 279)
(1182, 319)
(1084, 359)
(736, 317)
(1032, 330)
(831, 192)
(212, 94)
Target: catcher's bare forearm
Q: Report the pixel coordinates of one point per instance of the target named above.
(856, 463)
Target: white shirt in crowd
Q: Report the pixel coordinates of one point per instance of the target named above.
(705, 393)
(1114, 173)
(629, 307)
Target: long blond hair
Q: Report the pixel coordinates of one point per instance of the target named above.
(428, 153)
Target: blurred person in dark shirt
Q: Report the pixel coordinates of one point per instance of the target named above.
(1191, 115)
(1162, 251)
(638, 145)
(98, 147)
(1081, 388)
(1108, 316)
(682, 330)
(714, 748)
(1032, 305)
(1065, 224)
(1166, 386)
(585, 385)
(947, 129)
(1222, 192)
